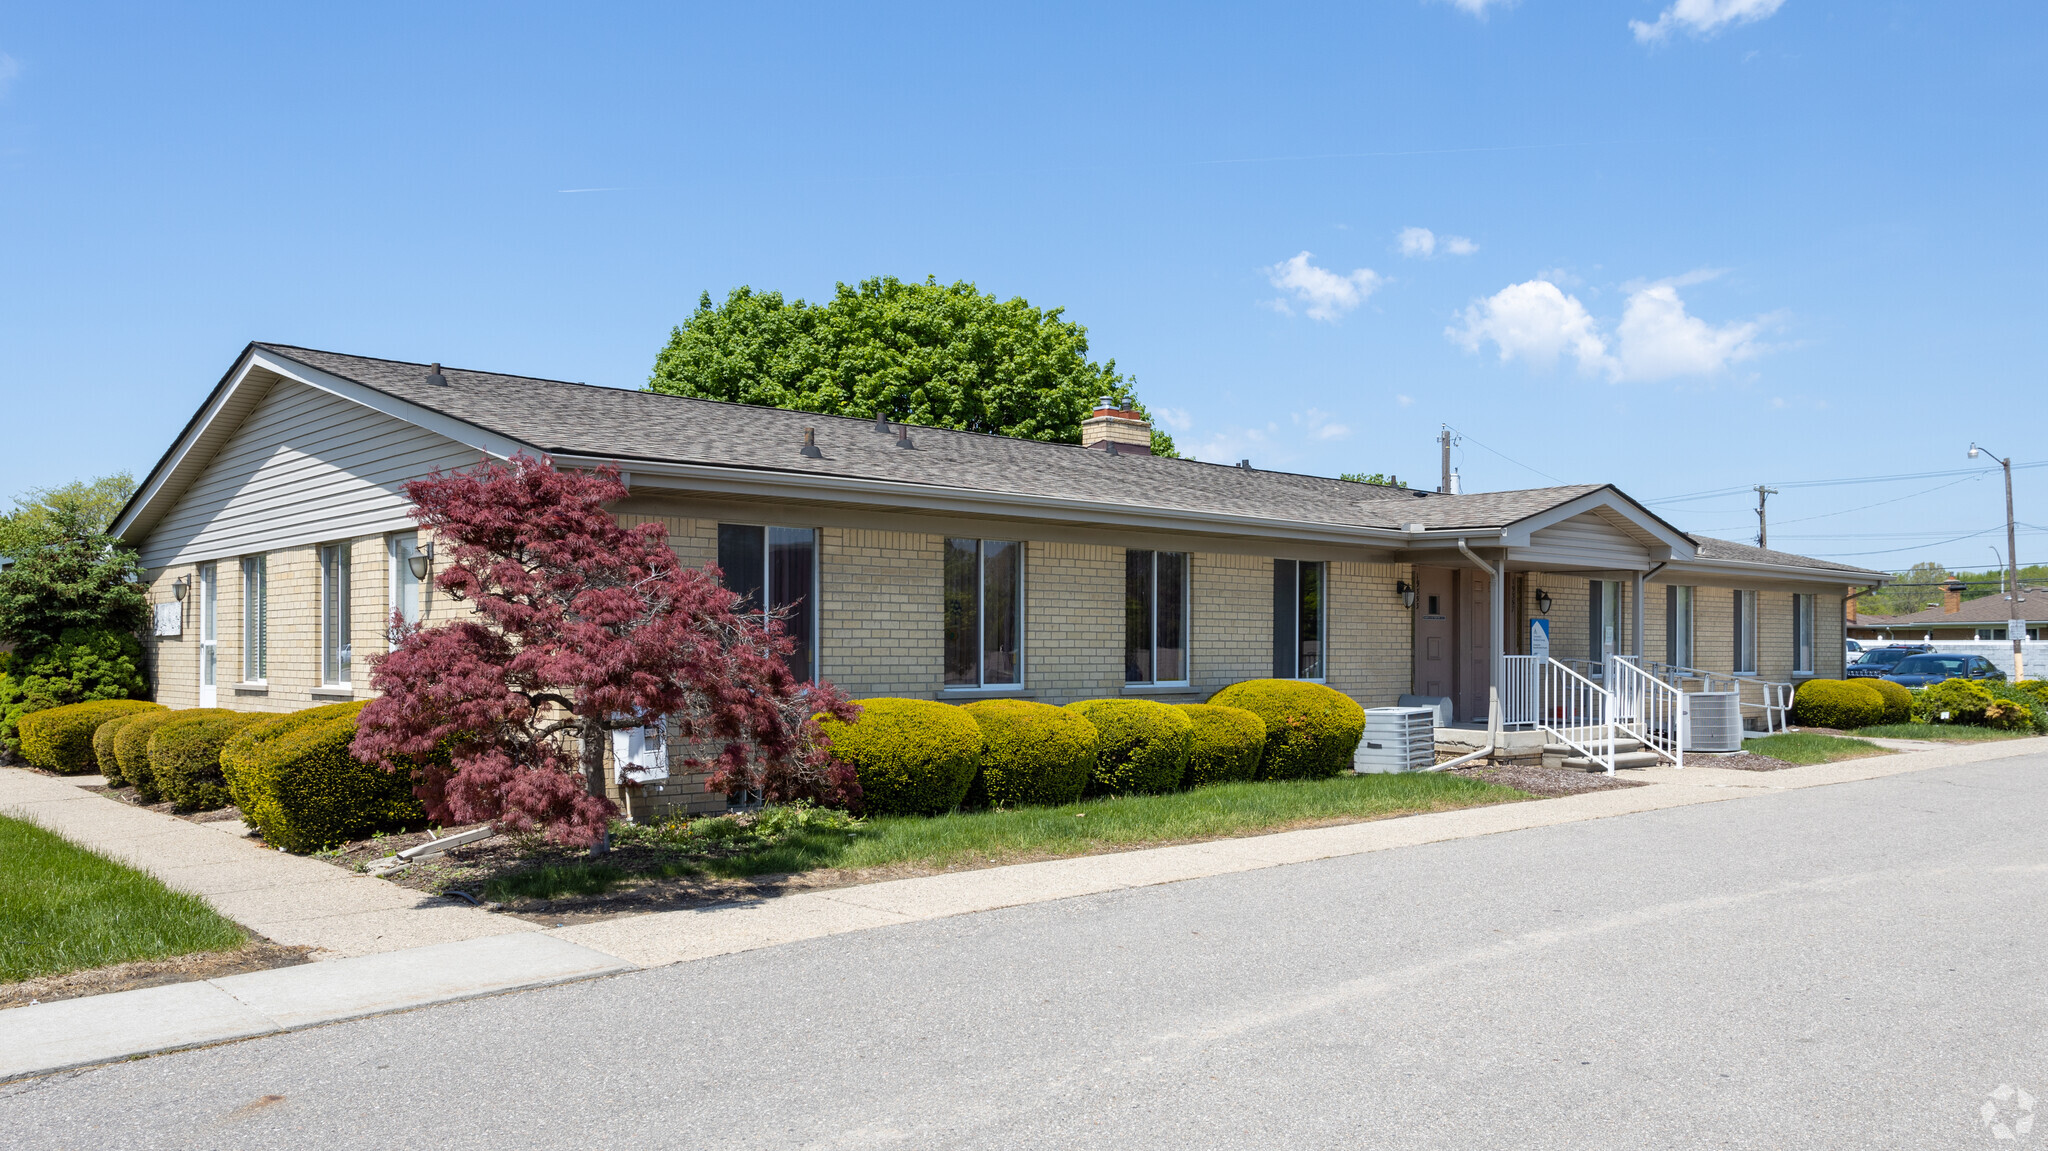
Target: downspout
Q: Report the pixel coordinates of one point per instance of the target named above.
(1642, 609)
(1495, 610)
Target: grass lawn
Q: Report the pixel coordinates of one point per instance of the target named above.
(723, 847)
(63, 908)
(1945, 732)
(1809, 747)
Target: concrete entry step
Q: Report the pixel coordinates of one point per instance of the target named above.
(1629, 759)
(1620, 745)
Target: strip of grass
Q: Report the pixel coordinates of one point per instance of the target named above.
(63, 908)
(1025, 833)
(1808, 747)
(1944, 732)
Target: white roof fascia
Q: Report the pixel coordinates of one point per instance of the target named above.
(176, 460)
(1751, 567)
(1674, 543)
(927, 497)
(461, 431)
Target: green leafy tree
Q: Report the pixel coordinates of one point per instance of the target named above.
(1380, 478)
(1919, 586)
(940, 355)
(83, 664)
(66, 571)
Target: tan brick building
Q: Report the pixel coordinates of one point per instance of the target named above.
(930, 563)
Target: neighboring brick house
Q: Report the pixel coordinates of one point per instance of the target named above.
(926, 562)
(1957, 619)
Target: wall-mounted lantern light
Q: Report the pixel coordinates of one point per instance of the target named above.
(1542, 601)
(1406, 592)
(182, 588)
(421, 561)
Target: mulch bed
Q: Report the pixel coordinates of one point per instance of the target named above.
(256, 955)
(1737, 761)
(1547, 782)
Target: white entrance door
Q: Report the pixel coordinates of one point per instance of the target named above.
(209, 635)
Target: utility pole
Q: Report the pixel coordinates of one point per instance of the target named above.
(1443, 440)
(2015, 619)
(1763, 526)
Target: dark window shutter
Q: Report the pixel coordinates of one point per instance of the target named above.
(1595, 614)
(1286, 619)
(1670, 623)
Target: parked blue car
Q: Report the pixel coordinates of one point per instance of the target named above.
(1935, 667)
(1878, 661)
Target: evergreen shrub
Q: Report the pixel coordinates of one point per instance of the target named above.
(1227, 744)
(912, 756)
(184, 754)
(1311, 730)
(1144, 747)
(296, 780)
(60, 738)
(1032, 754)
(131, 751)
(1845, 704)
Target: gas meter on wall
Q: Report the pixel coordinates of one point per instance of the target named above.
(640, 754)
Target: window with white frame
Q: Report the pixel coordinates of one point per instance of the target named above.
(1802, 634)
(1155, 617)
(1300, 619)
(255, 619)
(775, 572)
(1604, 596)
(984, 613)
(407, 589)
(209, 633)
(1745, 633)
(1678, 625)
(335, 653)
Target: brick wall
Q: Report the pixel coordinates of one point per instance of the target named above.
(1231, 631)
(1371, 633)
(1073, 621)
(881, 612)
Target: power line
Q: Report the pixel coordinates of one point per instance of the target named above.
(1831, 483)
(1503, 455)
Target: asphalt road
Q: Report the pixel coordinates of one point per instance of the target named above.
(1853, 966)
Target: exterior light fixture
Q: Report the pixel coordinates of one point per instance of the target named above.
(1406, 591)
(1542, 601)
(420, 562)
(182, 587)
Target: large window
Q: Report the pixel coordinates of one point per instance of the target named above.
(1745, 632)
(405, 586)
(209, 634)
(775, 571)
(334, 613)
(255, 620)
(1604, 612)
(984, 613)
(1155, 617)
(1678, 625)
(1802, 634)
(1300, 619)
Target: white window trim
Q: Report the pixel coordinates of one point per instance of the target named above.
(768, 593)
(1747, 632)
(256, 624)
(1187, 576)
(1804, 605)
(982, 686)
(1322, 623)
(345, 667)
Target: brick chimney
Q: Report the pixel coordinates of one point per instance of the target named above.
(1117, 430)
(1952, 596)
(1849, 606)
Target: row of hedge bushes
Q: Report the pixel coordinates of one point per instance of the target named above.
(917, 757)
(291, 775)
(1848, 704)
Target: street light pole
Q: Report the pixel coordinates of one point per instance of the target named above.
(2016, 620)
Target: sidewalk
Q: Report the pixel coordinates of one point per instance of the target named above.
(386, 975)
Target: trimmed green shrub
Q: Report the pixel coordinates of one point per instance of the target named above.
(60, 738)
(131, 751)
(83, 665)
(1032, 754)
(240, 755)
(294, 777)
(1311, 730)
(2023, 710)
(1144, 746)
(184, 754)
(1952, 701)
(913, 756)
(2038, 688)
(1227, 744)
(1898, 700)
(103, 748)
(1838, 703)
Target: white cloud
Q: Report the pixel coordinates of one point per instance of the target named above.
(1176, 418)
(1703, 17)
(1534, 321)
(1423, 243)
(1405, 401)
(1318, 425)
(1479, 7)
(1323, 294)
(1656, 339)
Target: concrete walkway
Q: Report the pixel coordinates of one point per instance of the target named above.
(285, 898)
(49, 1037)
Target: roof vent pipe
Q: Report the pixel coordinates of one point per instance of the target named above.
(435, 378)
(881, 420)
(1245, 464)
(903, 436)
(810, 449)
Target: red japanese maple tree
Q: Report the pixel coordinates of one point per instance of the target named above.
(578, 626)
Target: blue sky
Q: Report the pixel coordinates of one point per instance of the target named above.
(1680, 245)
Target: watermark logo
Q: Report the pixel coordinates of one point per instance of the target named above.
(2009, 1113)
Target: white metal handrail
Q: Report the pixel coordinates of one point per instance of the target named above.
(1522, 693)
(1579, 712)
(1649, 709)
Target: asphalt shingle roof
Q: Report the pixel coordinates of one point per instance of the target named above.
(1716, 549)
(1991, 609)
